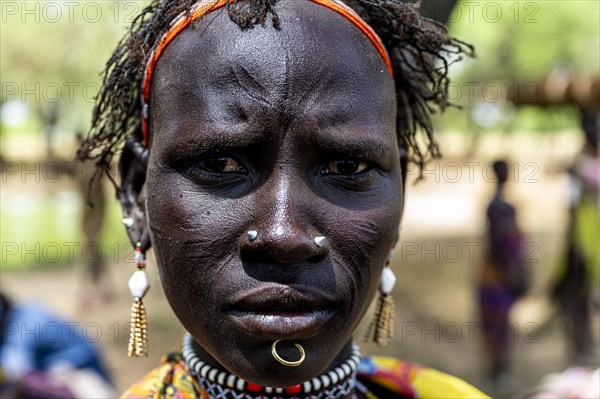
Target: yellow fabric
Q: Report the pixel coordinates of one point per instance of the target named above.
(433, 384)
(412, 380)
(587, 235)
(169, 381)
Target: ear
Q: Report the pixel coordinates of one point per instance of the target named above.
(132, 192)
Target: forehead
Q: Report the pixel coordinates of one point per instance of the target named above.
(317, 60)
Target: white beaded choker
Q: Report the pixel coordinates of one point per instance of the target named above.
(219, 384)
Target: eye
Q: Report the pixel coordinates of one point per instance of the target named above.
(221, 165)
(346, 167)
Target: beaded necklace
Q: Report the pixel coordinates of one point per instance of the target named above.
(218, 384)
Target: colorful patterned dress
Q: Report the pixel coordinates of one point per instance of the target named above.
(383, 378)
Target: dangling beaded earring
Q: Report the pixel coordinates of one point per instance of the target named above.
(139, 286)
(381, 328)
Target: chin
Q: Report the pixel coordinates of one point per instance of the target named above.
(259, 366)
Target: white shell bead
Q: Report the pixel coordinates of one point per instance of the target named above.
(231, 381)
(306, 387)
(388, 280)
(240, 384)
(139, 284)
(316, 384)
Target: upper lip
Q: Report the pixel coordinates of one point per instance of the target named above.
(281, 298)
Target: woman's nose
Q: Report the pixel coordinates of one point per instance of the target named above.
(282, 230)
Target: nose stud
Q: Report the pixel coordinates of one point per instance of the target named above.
(319, 241)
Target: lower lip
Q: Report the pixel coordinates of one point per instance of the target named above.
(282, 324)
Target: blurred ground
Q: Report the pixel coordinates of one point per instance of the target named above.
(435, 262)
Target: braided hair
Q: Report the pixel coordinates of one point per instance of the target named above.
(419, 48)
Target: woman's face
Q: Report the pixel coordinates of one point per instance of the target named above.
(290, 133)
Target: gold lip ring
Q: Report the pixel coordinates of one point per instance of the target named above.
(286, 362)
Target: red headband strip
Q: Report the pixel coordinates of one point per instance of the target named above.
(206, 6)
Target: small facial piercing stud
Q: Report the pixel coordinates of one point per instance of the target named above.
(128, 222)
(252, 234)
(319, 241)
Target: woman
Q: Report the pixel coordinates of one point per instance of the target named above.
(503, 278)
(263, 165)
(576, 282)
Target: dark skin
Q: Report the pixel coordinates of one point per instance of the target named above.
(290, 133)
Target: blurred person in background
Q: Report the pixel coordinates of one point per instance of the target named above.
(503, 278)
(44, 356)
(577, 282)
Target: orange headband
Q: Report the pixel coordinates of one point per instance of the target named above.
(206, 6)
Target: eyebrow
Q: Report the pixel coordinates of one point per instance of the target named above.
(341, 143)
(215, 137)
(345, 137)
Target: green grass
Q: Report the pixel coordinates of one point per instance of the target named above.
(45, 231)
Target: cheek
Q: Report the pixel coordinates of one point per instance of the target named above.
(193, 235)
(361, 242)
